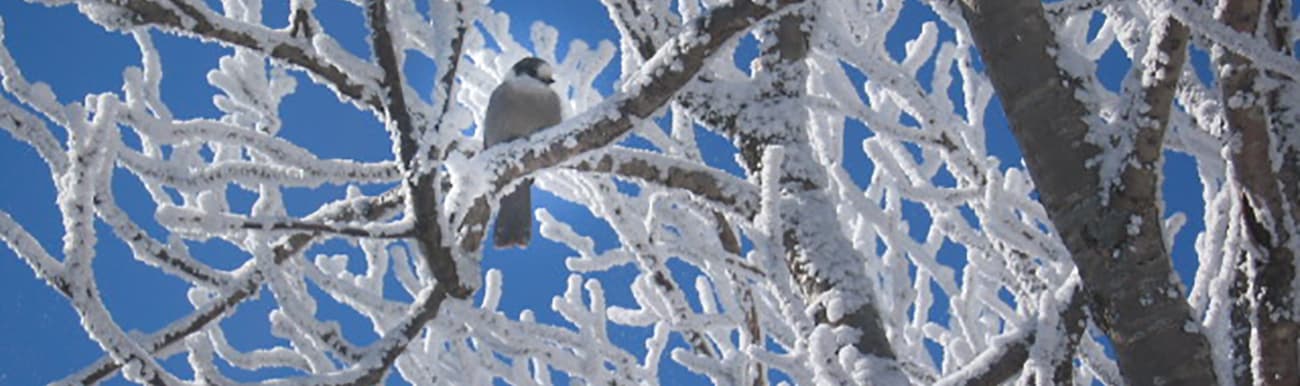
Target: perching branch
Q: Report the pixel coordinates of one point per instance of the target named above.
(675, 64)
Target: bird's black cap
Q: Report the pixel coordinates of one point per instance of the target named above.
(532, 66)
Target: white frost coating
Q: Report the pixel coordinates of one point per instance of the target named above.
(933, 195)
(1256, 49)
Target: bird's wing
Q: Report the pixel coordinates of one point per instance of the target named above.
(495, 128)
(515, 111)
(551, 112)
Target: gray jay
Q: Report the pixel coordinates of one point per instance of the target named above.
(522, 105)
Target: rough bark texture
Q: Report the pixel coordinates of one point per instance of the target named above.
(1127, 277)
(1268, 261)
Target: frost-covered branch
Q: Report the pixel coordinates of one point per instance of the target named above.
(1261, 156)
(644, 25)
(247, 281)
(1115, 236)
(707, 183)
(875, 231)
(649, 89)
(1008, 354)
(28, 249)
(671, 68)
(344, 73)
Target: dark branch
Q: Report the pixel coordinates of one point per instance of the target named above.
(184, 18)
(1267, 338)
(675, 64)
(322, 228)
(707, 183)
(1119, 269)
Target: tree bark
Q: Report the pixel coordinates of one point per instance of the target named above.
(1268, 260)
(1126, 274)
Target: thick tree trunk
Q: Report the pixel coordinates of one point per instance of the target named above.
(1268, 261)
(1126, 274)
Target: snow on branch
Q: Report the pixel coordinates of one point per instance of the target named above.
(1244, 44)
(28, 249)
(874, 234)
(653, 85)
(670, 69)
(247, 281)
(710, 184)
(319, 54)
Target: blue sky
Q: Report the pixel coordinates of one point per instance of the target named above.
(40, 336)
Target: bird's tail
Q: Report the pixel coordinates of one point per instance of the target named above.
(514, 225)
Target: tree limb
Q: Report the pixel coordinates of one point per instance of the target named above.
(186, 18)
(1119, 270)
(246, 283)
(706, 183)
(1008, 352)
(1269, 266)
(675, 64)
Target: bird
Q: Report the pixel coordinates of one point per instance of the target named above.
(521, 105)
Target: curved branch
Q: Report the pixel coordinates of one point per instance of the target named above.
(247, 283)
(675, 64)
(185, 18)
(704, 182)
(29, 128)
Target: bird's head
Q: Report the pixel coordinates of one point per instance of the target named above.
(535, 68)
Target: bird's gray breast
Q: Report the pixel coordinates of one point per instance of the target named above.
(518, 110)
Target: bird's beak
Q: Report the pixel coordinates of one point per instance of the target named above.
(548, 80)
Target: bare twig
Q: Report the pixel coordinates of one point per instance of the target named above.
(246, 283)
(188, 18)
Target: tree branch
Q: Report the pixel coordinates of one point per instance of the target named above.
(186, 18)
(246, 283)
(669, 70)
(703, 182)
(1118, 269)
(317, 227)
(1269, 266)
(153, 252)
(1008, 352)
(630, 18)
(31, 252)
